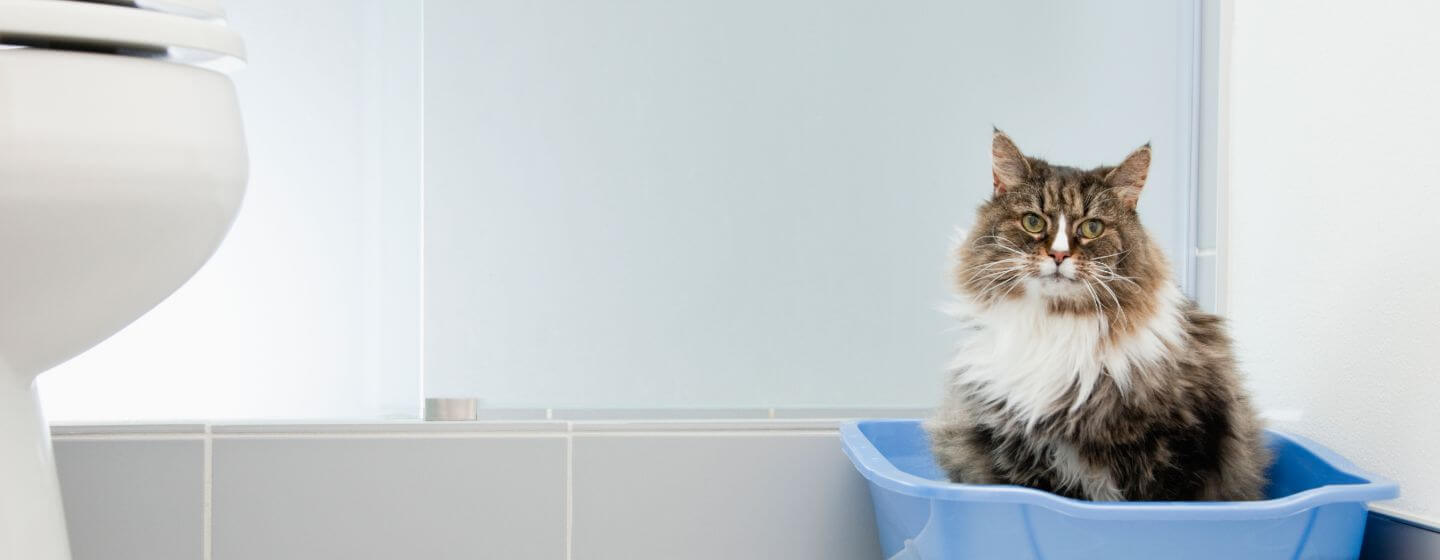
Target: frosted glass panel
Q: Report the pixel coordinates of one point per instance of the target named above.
(716, 204)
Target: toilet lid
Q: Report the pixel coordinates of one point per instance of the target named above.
(190, 30)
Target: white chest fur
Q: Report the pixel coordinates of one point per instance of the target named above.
(1020, 354)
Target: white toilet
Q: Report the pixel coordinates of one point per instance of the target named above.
(122, 165)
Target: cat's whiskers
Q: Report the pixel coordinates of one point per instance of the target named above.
(1002, 244)
(1016, 282)
(998, 280)
(997, 238)
(1110, 255)
(1104, 320)
(994, 278)
(1107, 278)
(999, 277)
(999, 272)
(992, 284)
(1116, 299)
(1109, 273)
(981, 267)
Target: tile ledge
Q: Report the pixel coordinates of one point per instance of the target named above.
(392, 427)
(388, 427)
(125, 428)
(741, 425)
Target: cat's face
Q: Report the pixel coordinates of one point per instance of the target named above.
(1070, 237)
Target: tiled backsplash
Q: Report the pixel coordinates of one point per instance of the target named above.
(753, 413)
(134, 499)
(658, 489)
(546, 489)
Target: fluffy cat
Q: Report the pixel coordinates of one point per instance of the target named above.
(1084, 371)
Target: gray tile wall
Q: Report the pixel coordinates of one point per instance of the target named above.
(434, 498)
(595, 490)
(718, 497)
(642, 490)
(134, 499)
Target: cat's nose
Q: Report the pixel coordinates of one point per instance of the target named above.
(1059, 256)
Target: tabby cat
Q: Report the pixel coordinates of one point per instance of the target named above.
(1084, 371)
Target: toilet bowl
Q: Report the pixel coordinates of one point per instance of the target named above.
(122, 165)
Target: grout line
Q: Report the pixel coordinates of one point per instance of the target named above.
(207, 534)
(560, 429)
(545, 434)
(392, 435)
(129, 437)
(710, 433)
(569, 497)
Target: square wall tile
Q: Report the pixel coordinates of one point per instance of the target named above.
(314, 498)
(133, 499)
(718, 497)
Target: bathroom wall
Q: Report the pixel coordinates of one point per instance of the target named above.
(1333, 177)
(541, 490)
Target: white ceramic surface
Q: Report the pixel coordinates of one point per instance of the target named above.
(118, 178)
(106, 24)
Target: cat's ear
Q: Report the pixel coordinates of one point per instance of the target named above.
(1007, 164)
(1128, 178)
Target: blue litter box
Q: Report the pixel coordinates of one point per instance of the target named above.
(1315, 510)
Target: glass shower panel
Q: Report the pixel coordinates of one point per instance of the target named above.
(686, 203)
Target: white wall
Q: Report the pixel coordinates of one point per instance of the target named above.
(287, 320)
(695, 203)
(1334, 184)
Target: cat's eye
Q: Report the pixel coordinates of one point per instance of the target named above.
(1091, 229)
(1032, 223)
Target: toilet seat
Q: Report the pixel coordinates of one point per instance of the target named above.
(179, 30)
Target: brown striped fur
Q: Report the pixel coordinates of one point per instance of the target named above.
(1164, 414)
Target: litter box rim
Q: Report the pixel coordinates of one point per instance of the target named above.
(881, 472)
